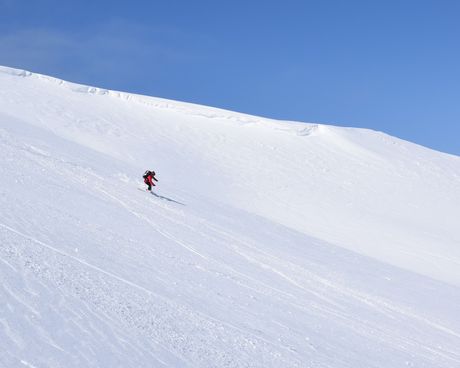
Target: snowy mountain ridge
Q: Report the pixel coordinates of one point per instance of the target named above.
(155, 102)
(266, 243)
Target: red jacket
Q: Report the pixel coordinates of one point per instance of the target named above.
(149, 180)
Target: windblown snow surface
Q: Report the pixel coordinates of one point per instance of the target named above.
(265, 244)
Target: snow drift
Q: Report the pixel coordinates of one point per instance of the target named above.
(266, 243)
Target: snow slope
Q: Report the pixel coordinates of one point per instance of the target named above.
(266, 244)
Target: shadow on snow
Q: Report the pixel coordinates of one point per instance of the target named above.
(166, 198)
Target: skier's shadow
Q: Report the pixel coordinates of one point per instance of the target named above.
(167, 199)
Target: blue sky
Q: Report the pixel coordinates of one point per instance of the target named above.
(387, 65)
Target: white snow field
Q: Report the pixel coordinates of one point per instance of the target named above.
(266, 243)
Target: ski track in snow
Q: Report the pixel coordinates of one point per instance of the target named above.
(95, 290)
(91, 291)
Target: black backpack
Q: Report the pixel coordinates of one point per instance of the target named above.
(146, 174)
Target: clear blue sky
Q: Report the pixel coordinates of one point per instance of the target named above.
(390, 65)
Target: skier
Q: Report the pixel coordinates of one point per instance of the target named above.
(149, 177)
